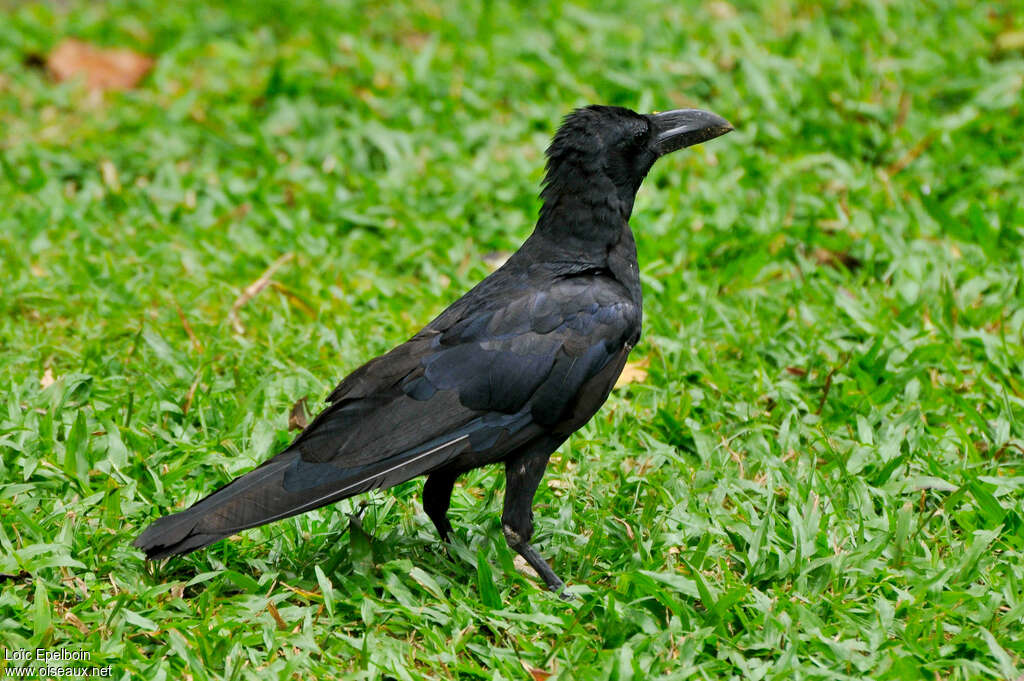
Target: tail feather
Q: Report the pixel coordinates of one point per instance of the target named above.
(216, 516)
(287, 485)
(282, 487)
(175, 535)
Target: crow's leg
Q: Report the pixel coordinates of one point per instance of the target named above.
(437, 496)
(522, 475)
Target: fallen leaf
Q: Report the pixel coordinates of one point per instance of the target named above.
(631, 465)
(103, 69)
(496, 259)
(47, 380)
(414, 40)
(629, 530)
(1009, 41)
(298, 419)
(74, 621)
(722, 10)
(108, 171)
(633, 372)
(831, 258)
(537, 674)
(523, 567)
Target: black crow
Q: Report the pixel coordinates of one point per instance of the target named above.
(505, 374)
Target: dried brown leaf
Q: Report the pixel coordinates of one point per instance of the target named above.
(72, 619)
(1009, 41)
(524, 568)
(537, 674)
(298, 419)
(777, 244)
(722, 10)
(825, 256)
(102, 69)
(108, 171)
(633, 372)
(496, 259)
(629, 530)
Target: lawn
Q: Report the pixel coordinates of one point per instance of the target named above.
(820, 476)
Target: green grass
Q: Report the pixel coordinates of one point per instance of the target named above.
(821, 477)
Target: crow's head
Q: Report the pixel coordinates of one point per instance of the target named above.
(609, 149)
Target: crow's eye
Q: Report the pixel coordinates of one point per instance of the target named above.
(632, 137)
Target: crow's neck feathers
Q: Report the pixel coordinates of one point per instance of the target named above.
(588, 195)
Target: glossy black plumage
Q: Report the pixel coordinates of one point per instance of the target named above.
(505, 374)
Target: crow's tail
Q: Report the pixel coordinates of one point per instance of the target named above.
(287, 485)
(253, 499)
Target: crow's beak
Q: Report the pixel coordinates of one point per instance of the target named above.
(674, 130)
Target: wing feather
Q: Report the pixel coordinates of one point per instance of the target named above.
(477, 387)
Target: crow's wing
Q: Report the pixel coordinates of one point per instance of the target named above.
(478, 384)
